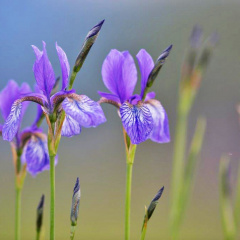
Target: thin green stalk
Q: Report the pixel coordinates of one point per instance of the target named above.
(38, 236)
(52, 199)
(18, 213)
(128, 199)
(143, 234)
(178, 167)
(237, 201)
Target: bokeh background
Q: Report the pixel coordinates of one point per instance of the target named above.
(97, 155)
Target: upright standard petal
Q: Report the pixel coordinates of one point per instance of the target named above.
(119, 74)
(13, 122)
(70, 127)
(35, 154)
(146, 65)
(137, 121)
(160, 131)
(64, 66)
(43, 71)
(10, 94)
(84, 110)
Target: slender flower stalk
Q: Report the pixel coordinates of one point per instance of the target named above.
(192, 71)
(65, 111)
(143, 117)
(227, 212)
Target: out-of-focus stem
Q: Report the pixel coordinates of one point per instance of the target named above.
(178, 164)
(237, 201)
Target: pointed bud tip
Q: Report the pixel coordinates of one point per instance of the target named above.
(95, 30)
(41, 203)
(165, 53)
(158, 195)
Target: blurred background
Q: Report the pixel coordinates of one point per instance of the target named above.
(97, 156)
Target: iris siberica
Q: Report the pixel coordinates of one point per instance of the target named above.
(30, 143)
(80, 110)
(143, 117)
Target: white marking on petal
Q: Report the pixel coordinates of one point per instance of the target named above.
(70, 127)
(137, 121)
(12, 123)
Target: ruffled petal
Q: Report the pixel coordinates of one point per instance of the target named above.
(64, 66)
(70, 127)
(35, 154)
(84, 110)
(146, 65)
(10, 94)
(160, 131)
(13, 122)
(119, 74)
(43, 71)
(137, 121)
(150, 95)
(109, 96)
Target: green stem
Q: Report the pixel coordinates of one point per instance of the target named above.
(38, 236)
(128, 200)
(18, 213)
(143, 234)
(178, 165)
(52, 199)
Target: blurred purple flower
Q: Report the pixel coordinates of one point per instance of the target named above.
(80, 110)
(31, 139)
(142, 117)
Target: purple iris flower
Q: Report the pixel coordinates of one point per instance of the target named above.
(143, 117)
(31, 141)
(80, 110)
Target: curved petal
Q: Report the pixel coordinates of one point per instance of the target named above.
(84, 110)
(64, 66)
(70, 127)
(109, 96)
(150, 95)
(35, 154)
(11, 93)
(137, 121)
(160, 131)
(43, 71)
(146, 65)
(119, 74)
(13, 122)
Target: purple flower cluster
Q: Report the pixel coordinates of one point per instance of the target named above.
(80, 110)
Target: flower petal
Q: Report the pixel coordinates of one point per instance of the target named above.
(84, 110)
(109, 96)
(146, 65)
(160, 131)
(64, 66)
(35, 154)
(150, 95)
(119, 74)
(70, 127)
(43, 71)
(11, 93)
(137, 121)
(13, 122)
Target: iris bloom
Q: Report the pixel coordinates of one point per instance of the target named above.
(143, 117)
(80, 110)
(31, 141)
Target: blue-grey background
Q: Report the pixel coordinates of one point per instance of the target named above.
(97, 155)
